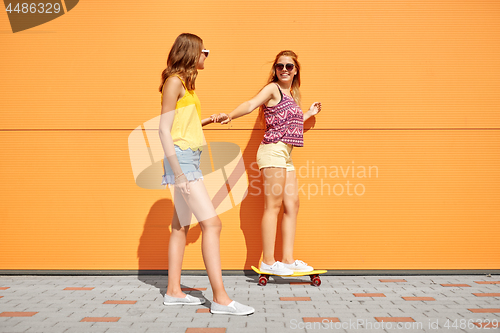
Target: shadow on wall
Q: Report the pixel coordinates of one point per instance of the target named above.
(153, 246)
(252, 208)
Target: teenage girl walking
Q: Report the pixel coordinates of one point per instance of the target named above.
(182, 139)
(279, 105)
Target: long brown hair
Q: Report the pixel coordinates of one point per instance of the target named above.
(183, 58)
(274, 78)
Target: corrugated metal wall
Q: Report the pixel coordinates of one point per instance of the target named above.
(410, 92)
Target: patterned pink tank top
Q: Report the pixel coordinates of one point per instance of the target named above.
(284, 122)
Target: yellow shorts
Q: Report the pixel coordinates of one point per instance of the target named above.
(277, 155)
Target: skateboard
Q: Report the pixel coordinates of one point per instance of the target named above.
(315, 279)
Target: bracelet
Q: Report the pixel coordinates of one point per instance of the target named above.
(182, 174)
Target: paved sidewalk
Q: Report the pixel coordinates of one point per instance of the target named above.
(54, 304)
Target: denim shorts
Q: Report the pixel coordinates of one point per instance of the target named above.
(275, 155)
(189, 161)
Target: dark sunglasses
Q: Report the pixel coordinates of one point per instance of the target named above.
(288, 67)
(205, 52)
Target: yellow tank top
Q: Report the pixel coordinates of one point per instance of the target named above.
(186, 128)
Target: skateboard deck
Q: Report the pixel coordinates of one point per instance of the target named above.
(315, 279)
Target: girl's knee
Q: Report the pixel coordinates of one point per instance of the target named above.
(292, 205)
(214, 225)
(179, 228)
(272, 208)
(273, 205)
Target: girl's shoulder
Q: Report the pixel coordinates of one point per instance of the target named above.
(174, 79)
(174, 87)
(272, 88)
(273, 85)
(174, 82)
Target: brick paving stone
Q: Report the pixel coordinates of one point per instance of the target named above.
(25, 325)
(51, 330)
(320, 319)
(392, 280)
(395, 319)
(198, 323)
(18, 314)
(119, 302)
(166, 320)
(204, 310)
(79, 288)
(485, 310)
(91, 329)
(145, 330)
(100, 319)
(409, 298)
(276, 326)
(369, 295)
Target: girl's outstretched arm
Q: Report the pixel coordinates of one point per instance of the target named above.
(267, 93)
(209, 120)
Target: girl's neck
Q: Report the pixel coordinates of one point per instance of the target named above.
(284, 86)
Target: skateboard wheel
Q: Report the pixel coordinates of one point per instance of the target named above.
(316, 281)
(262, 280)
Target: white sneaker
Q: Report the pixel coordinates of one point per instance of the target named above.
(188, 300)
(277, 268)
(299, 266)
(233, 308)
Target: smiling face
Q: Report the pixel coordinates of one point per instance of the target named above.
(285, 75)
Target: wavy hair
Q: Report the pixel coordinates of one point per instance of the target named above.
(182, 59)
(274, 78)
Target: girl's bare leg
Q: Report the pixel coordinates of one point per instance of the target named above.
(274, 185)
(291, 210)
(201, 205)
(176, 248)
(210, 248)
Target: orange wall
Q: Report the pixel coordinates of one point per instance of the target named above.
(411, 87)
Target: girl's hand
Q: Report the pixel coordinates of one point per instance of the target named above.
(217, 118)
(315, 109)
(224, 118)
(213, 118)
(183, 184)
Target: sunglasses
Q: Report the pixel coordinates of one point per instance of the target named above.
(205, 52)
(280, 67)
